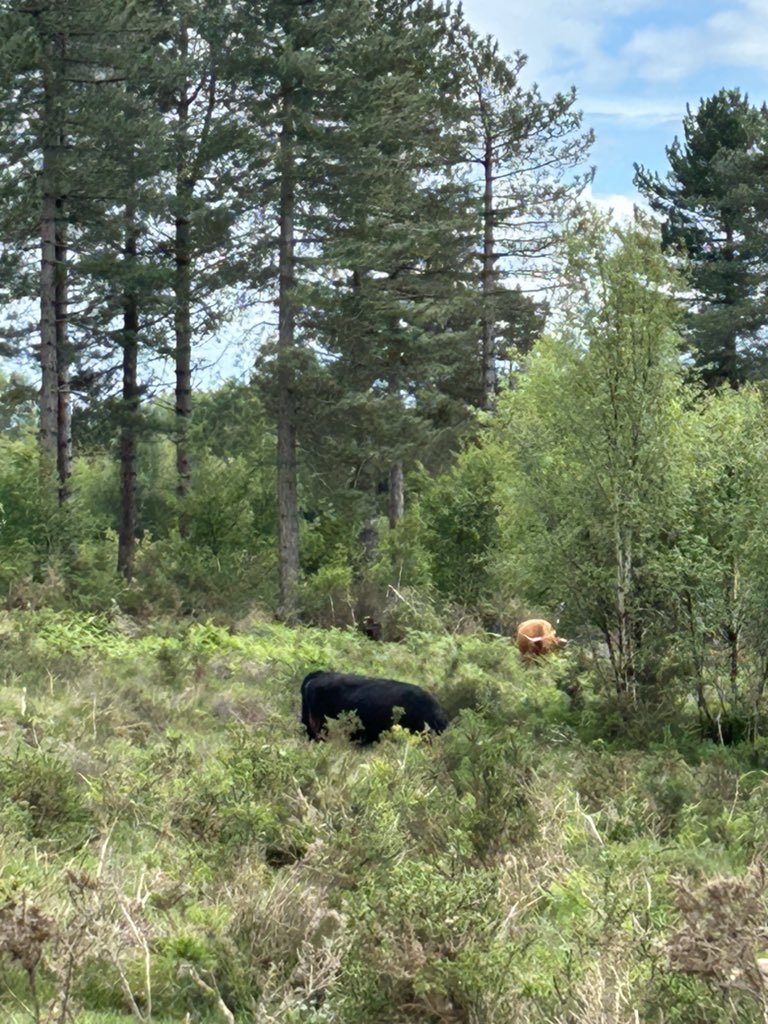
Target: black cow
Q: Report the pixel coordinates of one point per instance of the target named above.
(327, 695)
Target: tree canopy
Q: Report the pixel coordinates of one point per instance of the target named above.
(713, 205)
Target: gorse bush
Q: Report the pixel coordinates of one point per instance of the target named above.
(48, 800)
(326, 596)
(489, 769)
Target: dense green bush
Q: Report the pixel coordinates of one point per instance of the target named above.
(460, 516)
(44, 797)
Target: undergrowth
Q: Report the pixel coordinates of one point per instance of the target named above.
(172, 848)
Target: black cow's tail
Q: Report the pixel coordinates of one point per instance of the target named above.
(306, 714)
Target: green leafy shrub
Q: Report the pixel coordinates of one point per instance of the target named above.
(325, 597)
(177, 575)
(425, 943)
(489, 767)
(459, 513)
(161, 805)
(47, 795)
(409, 610)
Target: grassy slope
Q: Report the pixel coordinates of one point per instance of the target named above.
(168, 837)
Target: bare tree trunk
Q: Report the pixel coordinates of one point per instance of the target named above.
(287, 470)
(396, 507)
(183, 290)
(624, 666)
(183, 351)
(190, 159)
(64, 394)
(730, 360)
(49, 374)
(733, 631)
(49, 383)
(55, 408)
(488, 282)
(126, 549)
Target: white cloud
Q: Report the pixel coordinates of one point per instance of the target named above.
(667, 55)
(620, 206)
(635, 64)
(736, 35)
(635, 110)
(604, 44)
(565, 40)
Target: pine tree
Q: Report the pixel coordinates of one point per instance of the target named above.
(62, 71)
(118, 264)
(709, 214)
(325, 90)
(39, 61)
(526, 152)
(191, 87)
(397, 245)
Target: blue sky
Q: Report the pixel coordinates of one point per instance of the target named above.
(635, 65)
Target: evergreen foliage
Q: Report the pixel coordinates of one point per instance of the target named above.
(525, 151)
(713, 204)
(318, 156)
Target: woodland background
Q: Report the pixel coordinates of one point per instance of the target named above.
(474, 400)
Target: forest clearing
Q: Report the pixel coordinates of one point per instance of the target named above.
(463, 434)
(175, 849)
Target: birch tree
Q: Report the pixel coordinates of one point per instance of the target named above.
(596, 456)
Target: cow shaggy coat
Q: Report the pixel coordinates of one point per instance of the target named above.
(537, 636)
(378, 704)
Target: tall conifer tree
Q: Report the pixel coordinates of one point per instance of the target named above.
(709, 214)
(49, 52)
(527, 155)
(330, 181)
(398, 249)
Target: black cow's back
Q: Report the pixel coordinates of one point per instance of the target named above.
(329, 694)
